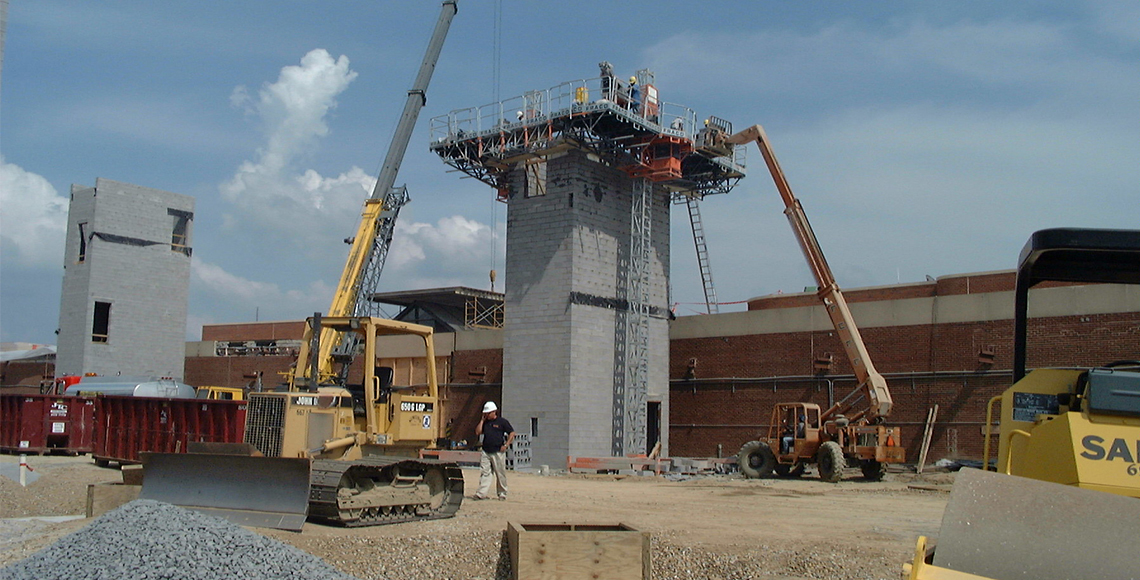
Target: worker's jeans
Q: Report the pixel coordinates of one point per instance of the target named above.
(492, 465)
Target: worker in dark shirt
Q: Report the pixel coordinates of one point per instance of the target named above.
(497, 435)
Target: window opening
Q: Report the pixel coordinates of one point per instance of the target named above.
(82, 241)
(101, 322)
(180, 232)
(535, 179)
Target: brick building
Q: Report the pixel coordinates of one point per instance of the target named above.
(946, 342)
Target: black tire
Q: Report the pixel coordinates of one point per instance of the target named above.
(830, 462)
(99, 462)
(756, 460)
(873, 470)
(785, 470)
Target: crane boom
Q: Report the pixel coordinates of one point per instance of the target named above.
(377, 221)
(871, 383)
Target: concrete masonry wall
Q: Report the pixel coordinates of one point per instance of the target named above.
(558, 352)
(146, 285)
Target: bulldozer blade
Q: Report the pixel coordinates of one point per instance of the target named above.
(264, 492)
(1004, 526)
(244, 449)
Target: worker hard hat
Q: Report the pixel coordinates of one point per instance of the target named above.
(489, 407)
(633, 80)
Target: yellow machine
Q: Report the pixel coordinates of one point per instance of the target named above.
(1077, 427)
(1072, 426)
(338, 453)
(335, 447)
(851, 430)
(221, 393)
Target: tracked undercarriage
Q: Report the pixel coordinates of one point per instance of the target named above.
(383, 490)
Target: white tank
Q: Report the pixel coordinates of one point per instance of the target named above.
(132, 387)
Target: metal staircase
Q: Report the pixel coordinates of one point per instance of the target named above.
(629, 436)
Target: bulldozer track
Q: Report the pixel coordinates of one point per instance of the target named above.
(328, 476)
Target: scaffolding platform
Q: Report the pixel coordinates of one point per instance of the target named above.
(646, 138)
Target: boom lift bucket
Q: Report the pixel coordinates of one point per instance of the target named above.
(267, 492)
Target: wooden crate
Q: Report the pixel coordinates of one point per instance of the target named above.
(556, 551)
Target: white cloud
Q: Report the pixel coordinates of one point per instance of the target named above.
(34, 217)
(238, 291)
(272, 191)
(461, 245)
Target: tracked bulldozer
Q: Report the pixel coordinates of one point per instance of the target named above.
(344, 453)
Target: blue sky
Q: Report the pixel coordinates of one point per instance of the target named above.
(923, 138)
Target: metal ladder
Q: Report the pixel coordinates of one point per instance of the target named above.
(702, 254)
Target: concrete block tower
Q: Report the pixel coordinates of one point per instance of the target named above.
(126, 280)
(588, 170)
(568, 309)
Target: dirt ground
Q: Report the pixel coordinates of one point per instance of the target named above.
(717, 526)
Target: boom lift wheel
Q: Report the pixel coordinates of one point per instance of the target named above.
(873, 470)
(756, 459)
(830, 461)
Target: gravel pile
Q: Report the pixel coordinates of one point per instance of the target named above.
(149, 540)
(54, 493)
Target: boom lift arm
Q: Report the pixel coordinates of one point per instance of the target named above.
(377, 221)
(872, 385)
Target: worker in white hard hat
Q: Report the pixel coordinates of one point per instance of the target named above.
(497, 435)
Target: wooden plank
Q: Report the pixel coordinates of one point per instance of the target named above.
(463, 457)
(104, 497)
(931, 417)
(595, 464)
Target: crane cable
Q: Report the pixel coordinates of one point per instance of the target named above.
(496, 63)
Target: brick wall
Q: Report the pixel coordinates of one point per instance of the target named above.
(925, 365)
(462, 406)
(282, 330)
(705, 414)
(477, 366)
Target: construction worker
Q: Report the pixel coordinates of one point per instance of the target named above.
(497, 435)
(634, 96)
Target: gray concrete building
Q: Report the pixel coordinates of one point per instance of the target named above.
(568, 256)
(588, 170)
(126, 281)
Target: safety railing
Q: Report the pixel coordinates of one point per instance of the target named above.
(565, 99)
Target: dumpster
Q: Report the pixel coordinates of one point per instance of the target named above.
(38, 424)
(126, 427)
